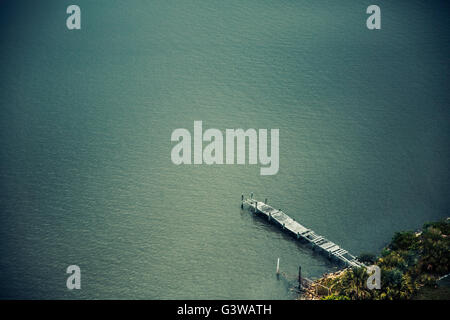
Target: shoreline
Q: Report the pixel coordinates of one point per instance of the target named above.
(311, 293)
(411, 264)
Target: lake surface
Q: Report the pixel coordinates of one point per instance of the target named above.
(85, 168)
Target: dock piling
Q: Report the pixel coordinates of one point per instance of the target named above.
(300, 277)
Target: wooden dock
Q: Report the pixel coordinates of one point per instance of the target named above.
(293, 227)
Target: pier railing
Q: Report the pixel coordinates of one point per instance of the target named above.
(301, 232)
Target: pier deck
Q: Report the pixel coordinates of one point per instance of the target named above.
(301, 232)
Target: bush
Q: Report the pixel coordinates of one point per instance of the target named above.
(443, 226)
(404, 241)
(391, 278)
(367, 258)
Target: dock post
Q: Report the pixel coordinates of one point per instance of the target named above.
(251, 195)
(278, 266)
(265, 201)
(300, 277)
(242, 201)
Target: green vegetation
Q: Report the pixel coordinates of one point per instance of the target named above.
(336, 297)
(367, 258)
(410, 266)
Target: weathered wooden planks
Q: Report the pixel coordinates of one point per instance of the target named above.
(301, 232)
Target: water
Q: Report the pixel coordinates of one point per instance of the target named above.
(86, 175)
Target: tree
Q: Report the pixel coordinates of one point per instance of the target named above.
(367, 258)
(404, 241)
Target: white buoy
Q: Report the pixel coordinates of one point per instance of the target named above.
(278, 266)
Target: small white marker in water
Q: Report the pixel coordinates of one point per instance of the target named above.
(278, 266)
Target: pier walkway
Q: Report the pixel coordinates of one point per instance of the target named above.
(301, 232)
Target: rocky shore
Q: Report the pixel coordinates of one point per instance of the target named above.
(318, 289)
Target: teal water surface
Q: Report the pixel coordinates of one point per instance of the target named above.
(87, 115)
